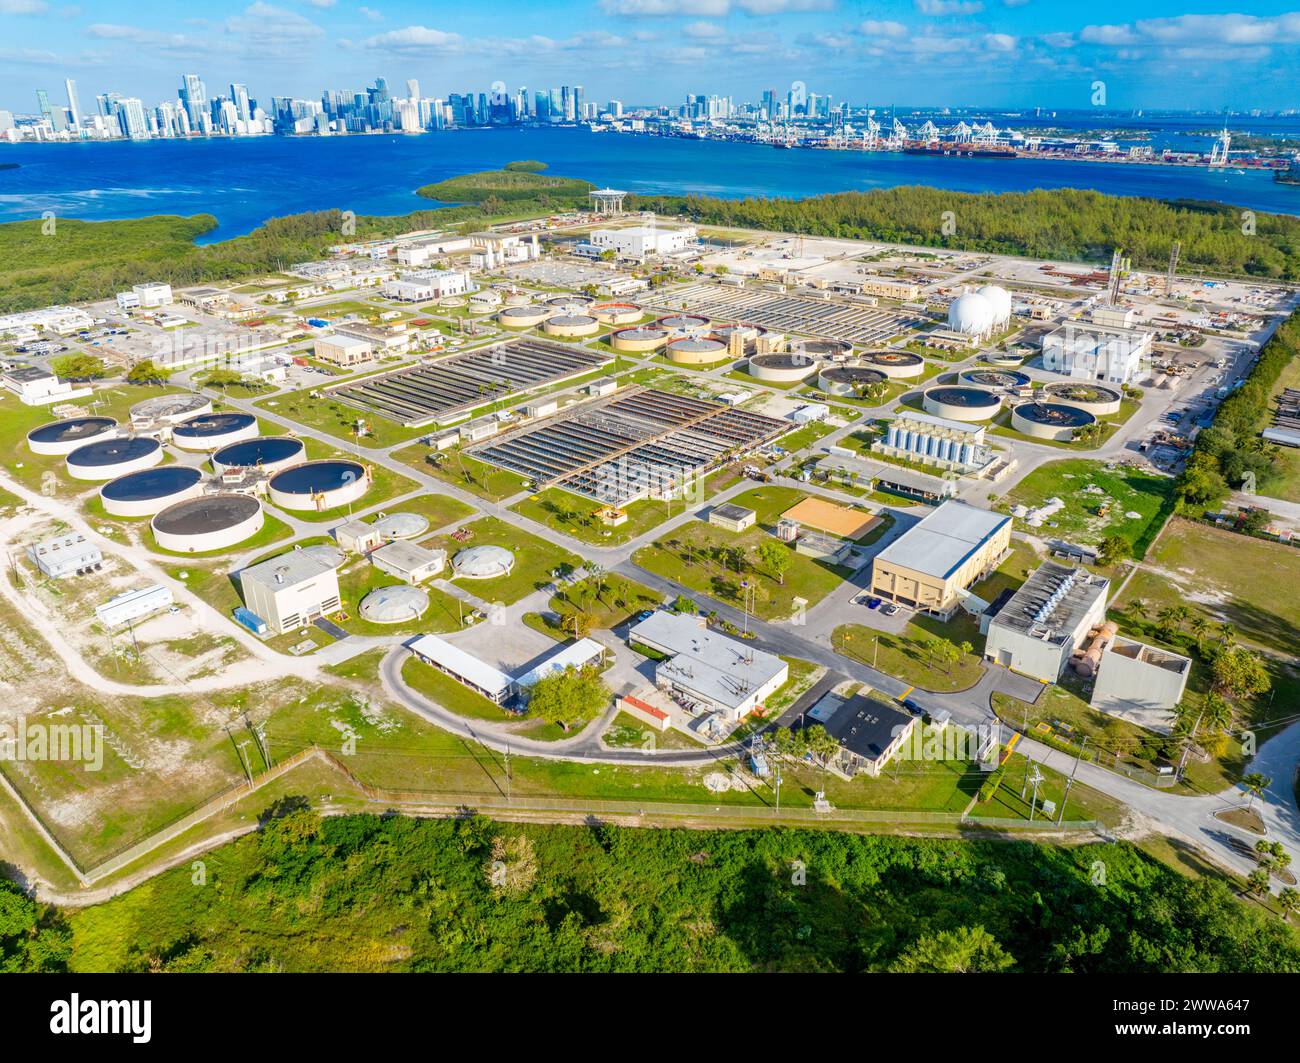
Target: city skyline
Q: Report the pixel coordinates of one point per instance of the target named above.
(959, 53)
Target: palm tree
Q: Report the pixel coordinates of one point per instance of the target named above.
(1199, 625)
(1255, 784)
(1227, 634)
(1138, 608)
(1288, 901)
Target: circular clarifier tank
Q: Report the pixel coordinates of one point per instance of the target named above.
(63, 437)
(684, 324)
(571, 325)
(781, 368)
(823, 350)
(616, 313)
(696, 350)
(212, 431)
(523, 316)
(319, 485)
(848, 379)
(170, 409)
(269, 453)
(1050, 420)
(208, 522)
(960, 402)
(897, 365)
(1100, 400)
(107, 459)
(394, 605)
(149, 491)
(994, 378)
(631, 340)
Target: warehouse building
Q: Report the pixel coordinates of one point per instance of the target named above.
(931, 566)
(1140, 683)
(584, 653)
(293, 589)
(732, 517)
(639, 242)
(132, 605)
(706, 669)
(343, 350)
(66, 555)
(1047, 620)
(409, 562)
(465, 668)
(417, 286)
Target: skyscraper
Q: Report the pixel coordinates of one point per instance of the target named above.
(194, 97)
(239, 96)
(73, 105)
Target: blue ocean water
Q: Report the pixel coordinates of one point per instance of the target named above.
(242, 182)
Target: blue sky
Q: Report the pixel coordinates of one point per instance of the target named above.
(1007, 53)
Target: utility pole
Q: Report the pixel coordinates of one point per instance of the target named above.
(778, 791)
(1070, 782)
(1037, 780)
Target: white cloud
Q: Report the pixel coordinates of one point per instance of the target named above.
(883, 28)
(322, 4)
(999, 42)
(23, 7)
(709, 8)
(371, 14)
(1112, 35)
(1224, 31)
(949, 7)
(416, 39)
(703, 31)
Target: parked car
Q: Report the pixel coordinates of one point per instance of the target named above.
(873, 603)
(890, 610)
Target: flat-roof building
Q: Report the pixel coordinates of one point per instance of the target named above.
(343, 350)
(132, 605)
(293, 589)
(1139, 683)
(1096, 352)
(720, 672)
(931, 565)
(870, 730)
(732, 517)
(464, 667)
(409, 562)
(66, 555)
(583, 653)
(1046, 620)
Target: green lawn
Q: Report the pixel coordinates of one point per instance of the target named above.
(440, 510)
(1128, 490)
(535, 559)
(444, 612)
(705, 559)
(617, 599)
(313, 407)
(1283, 480)
(575, 516)
(904, 655)
(460, 470)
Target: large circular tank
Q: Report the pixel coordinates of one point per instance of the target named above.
(570, 304)
(972, 314)
(848, 379)
(319, 485)
(571, 325)
(897, 365)
(394, 605)
(616, 313)
(1000, 299)
(208, 522)
(959, 402)
(483, 562)
(523, 316)
(170, 409)
(518, 298)
(401, 525)
(823, 350)
(1100, 400)
(993, 378)
(268, 453)
(642, 339)
(149, 491)
(1004, 359)
(107, 459)
(63, 437)
(212, 431)
(684, 324)
(781, 368)
(1049, 420)
(696, 350)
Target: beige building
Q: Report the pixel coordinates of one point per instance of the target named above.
(343, 350)
(931, 566)
(294, 589)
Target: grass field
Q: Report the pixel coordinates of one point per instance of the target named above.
(575, 516)
(1284, 479)
(1128, 490)
(313, 407)
(535, 559)
(461, 470)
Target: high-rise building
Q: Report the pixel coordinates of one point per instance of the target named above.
(73, 105)
(412, 89)
(239, 97)
(194, 98)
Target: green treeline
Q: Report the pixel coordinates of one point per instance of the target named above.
(1058, 224)
(1232, 448)
(394, 893)
(518, 182)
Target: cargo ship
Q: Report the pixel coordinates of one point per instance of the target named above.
(965, 151)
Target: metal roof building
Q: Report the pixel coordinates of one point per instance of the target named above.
(464, 667)
(1046, 620)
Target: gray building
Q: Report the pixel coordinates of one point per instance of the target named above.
(66, 555)
(293, 589)
(1140, 683)
(1046, 620)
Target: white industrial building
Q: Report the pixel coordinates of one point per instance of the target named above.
(639, 242)
(580, 654)
(409, 562)
(491, 250)
(147, 296)
(1140, 683)
(415, 286)
(60, 319)
(132, 605)
(1096, 352)
(712, 670)
(937, 441)
(1047, 619)
(293, 589)
(464, 667)
(39, 387)
(66, 555)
